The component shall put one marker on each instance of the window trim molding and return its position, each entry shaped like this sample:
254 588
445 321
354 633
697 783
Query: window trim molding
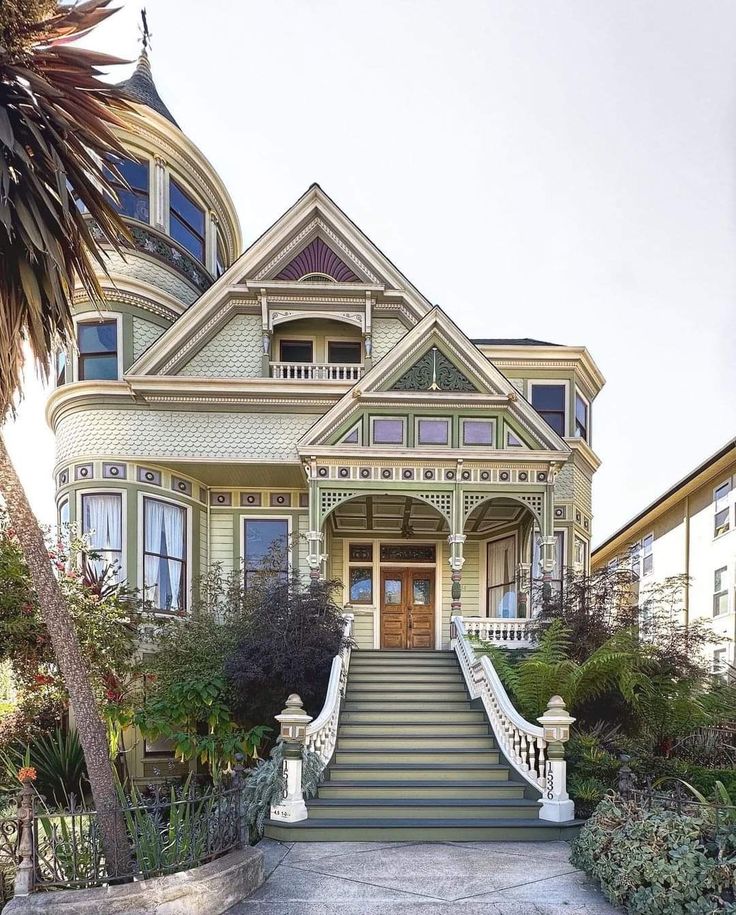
445 419
104 491
97 317
140 522
306 338
557 382
191 192
401 419
483 569
243 517
477 419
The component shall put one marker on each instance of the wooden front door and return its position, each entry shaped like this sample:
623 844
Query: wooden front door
407 608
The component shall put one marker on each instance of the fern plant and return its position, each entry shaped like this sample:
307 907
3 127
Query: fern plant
549 670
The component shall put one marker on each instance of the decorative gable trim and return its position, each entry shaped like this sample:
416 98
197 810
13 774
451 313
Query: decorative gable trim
434 372
317 258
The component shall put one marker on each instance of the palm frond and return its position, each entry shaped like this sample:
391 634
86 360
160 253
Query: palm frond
57 122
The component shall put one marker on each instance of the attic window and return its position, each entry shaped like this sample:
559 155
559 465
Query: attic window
316 278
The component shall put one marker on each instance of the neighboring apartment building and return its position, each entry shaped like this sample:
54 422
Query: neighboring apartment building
305 393
690 530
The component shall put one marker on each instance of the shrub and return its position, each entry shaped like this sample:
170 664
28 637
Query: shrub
292 632
59 762
657 862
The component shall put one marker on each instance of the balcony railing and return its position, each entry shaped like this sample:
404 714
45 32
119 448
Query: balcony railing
316 371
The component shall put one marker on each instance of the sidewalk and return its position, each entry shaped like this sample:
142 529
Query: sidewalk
403 878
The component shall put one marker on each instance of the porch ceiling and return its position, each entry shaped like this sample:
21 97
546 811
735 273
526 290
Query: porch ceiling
233 473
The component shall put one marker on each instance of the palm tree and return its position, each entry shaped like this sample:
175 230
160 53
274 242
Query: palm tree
56 129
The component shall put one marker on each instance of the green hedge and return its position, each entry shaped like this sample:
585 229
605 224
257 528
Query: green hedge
658 862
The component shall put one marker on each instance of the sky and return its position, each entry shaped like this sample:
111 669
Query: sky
558 170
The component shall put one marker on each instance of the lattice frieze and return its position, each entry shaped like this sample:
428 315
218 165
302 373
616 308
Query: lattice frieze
472 500
331 498
535 501
442 501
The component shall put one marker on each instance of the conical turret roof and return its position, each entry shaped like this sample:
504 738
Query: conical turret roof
141 88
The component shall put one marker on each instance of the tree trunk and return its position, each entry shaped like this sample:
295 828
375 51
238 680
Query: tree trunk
60 626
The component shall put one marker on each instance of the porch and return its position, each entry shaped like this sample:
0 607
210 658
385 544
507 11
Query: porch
405 572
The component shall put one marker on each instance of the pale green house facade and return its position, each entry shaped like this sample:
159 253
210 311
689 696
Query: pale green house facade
304 391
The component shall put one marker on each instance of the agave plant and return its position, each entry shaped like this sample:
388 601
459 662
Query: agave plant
59 763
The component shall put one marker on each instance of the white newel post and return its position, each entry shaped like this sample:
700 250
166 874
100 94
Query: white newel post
556 803
293 721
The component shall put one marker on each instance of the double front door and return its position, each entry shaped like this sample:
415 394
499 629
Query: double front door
407 608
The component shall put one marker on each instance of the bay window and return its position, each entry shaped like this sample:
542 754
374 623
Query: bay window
265 548
102 525
164 554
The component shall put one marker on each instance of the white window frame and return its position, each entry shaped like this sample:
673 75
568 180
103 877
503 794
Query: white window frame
718 655
445 419
728 485
295 338
580 566
401 444
483 595
722 591
105 490
509 430
586 401
642 555
269 517
97 317
64 500
156 496
196 196
556 382
473 419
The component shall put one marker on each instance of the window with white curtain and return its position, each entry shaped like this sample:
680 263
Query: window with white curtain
501 578
102 525
164 554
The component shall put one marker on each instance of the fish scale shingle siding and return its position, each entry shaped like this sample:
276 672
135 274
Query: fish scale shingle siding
144 335
386 334
178 434
234 352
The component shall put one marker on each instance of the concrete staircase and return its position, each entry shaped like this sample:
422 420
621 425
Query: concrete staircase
416 761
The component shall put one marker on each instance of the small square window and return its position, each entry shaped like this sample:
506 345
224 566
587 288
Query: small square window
388 431
433 431
478 432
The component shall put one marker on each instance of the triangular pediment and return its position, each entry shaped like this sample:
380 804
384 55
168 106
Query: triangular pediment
435 367
313 242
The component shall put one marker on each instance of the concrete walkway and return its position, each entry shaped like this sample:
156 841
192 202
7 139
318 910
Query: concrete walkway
405 878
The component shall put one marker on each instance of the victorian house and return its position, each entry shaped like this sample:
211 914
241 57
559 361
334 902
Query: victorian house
301 391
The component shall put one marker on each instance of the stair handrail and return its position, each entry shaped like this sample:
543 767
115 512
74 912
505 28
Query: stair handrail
321 735
522 742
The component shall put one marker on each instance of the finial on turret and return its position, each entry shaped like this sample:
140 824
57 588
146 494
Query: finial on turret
146 35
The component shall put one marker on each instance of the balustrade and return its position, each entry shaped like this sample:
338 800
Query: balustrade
504 632
316 371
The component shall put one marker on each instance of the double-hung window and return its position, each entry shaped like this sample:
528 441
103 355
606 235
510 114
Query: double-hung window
133 200
102 525
164 554
98 350
720 591
582 413
186 220
265 548
723 509
501 598
549 401
647 555
720 662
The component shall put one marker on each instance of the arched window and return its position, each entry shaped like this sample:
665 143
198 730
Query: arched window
133 200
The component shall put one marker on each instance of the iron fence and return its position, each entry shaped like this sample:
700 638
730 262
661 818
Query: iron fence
167 830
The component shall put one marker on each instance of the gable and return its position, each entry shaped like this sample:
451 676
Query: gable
233 352
435 371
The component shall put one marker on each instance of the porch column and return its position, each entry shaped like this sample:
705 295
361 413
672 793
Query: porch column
266 336
547 541
456 541
315 536
523 584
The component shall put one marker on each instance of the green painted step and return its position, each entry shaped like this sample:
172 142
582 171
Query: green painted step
406 654
392 772
408 830
423 809
408 666
359 680
402 695
450 757
418 712
441 790
433 729
414 742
